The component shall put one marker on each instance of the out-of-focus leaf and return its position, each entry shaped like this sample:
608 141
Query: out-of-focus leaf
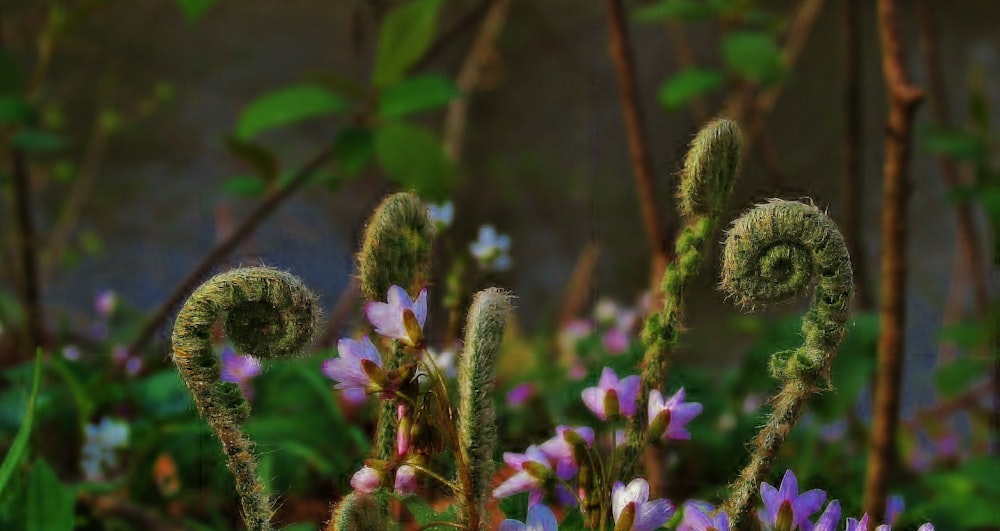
49 504
258 157
989 197
424 514
683 10
353 148
965 334
688 84
959 374
416 94
515 507
91 243
415 159
245 186
161 395
14 110
754 55
404 36
37 141
11 75
20 444
194 9
286 106
954 143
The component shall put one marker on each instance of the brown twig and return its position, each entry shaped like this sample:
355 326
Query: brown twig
851 178
580 283
27 246
903 101
469 76
642 166
945 408
226 246
448 37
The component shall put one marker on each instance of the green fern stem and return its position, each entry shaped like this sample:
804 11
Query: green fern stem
706 182
772 254
477 439
267 314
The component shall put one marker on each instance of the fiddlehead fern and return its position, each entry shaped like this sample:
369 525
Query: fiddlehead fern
773 253
267 314
706 181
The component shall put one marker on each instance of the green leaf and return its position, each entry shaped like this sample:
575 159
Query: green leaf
966 334
688 84
161 395
415 159
37 141
424 514
954 143
20 444
353 148
14 110
49 504
754 55
416 94
956 376
682 10
194 9
287 106
259 158
404 36
245 186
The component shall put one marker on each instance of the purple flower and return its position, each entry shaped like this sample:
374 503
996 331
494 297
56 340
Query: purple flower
237 368
71 352
611 393
698 517
352 370
559 451
400 318
671 416
784 508
615 340
105 303
366 480
828 521
893 508
540 518
406 480
533 469
632 502
520 394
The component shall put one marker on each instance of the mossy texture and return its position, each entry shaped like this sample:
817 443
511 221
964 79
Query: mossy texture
357 512
268 314
396 247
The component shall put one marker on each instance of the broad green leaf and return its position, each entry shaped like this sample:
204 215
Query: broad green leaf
20 444
286 106
258 157
954 143
14 110
49 504
404 36
37 141
245 186
958 375
683 10
353 148
416 94
194 9
754 55
687 84
415 159
424 514
966 334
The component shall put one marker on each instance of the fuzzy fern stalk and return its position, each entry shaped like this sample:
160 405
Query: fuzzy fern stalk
773 253
267 314
706 182
357 512
395 251
477 440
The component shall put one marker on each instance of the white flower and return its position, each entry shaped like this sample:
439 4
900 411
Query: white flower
441 215
491 249
99 447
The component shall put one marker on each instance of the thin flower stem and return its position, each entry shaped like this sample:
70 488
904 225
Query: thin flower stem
455 487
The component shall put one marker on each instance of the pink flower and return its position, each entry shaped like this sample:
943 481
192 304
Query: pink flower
784 507
612 393
353 369
406 480
633 502
520 394
366 480
697 517
401 317
671 416
560 452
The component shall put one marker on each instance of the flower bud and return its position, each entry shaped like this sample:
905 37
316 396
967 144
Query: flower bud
626 518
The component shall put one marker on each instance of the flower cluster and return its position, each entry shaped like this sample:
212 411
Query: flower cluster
102 441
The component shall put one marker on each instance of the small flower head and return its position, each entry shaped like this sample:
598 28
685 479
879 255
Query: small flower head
784 508
366 480
441 215
100 445
491 249
534 474
698 517
520 394
239 369
354 369
406 480
668 418
632 509
105 303
563 449
401 317
612 396
540 518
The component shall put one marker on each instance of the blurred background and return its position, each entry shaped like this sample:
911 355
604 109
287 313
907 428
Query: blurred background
138 138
